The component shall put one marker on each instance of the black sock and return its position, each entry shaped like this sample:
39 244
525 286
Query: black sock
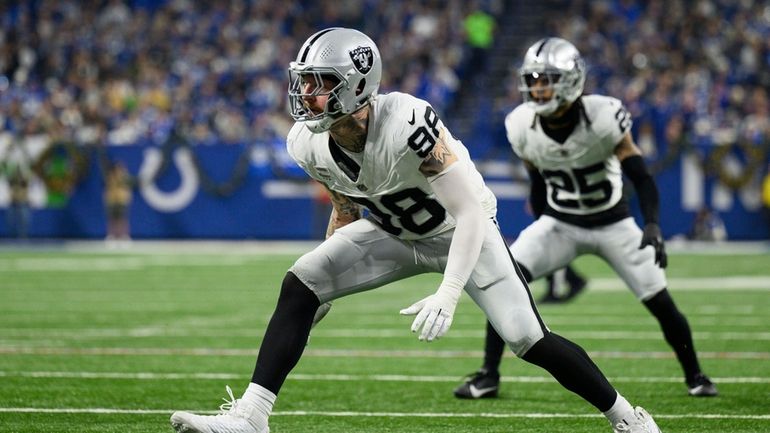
286 334
569 364
676 330
572 277
493 350
550 285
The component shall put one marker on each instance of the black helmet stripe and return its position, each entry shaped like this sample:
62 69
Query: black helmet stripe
312 41
540 48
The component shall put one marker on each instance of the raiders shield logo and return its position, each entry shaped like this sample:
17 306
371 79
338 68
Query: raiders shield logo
362 59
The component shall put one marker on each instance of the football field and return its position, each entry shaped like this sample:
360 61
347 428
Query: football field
98 340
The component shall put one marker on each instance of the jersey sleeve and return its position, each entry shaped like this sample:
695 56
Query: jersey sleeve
297 150
416 125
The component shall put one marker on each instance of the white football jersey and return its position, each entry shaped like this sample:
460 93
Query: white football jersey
583 175
385 177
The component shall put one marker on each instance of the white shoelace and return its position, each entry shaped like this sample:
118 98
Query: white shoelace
232 417
642 418
228 405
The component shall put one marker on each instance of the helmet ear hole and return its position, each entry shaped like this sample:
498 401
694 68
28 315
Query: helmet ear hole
334 103
361 85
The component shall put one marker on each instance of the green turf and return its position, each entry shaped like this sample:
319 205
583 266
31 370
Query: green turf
138 335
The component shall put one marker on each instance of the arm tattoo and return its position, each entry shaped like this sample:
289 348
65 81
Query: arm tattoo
344 205
344 211
439 157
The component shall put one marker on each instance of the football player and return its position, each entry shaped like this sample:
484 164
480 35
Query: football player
428 211
576 148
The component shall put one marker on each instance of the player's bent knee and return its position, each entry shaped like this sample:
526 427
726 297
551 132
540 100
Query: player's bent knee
521 335
522 346
296 294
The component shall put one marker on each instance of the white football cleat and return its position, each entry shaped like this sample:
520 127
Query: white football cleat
235 416
642 422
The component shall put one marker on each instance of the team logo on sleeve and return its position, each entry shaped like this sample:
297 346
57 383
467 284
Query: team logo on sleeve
362 59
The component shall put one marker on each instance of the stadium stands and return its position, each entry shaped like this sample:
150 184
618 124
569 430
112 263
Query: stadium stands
126 71
90 73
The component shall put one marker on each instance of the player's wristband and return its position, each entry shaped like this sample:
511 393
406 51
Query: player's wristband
451 287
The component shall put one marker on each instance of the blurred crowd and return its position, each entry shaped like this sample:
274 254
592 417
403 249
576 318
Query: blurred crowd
694 71
126 71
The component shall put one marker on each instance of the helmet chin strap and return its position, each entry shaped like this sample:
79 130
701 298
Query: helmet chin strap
326 121
321 125
546 109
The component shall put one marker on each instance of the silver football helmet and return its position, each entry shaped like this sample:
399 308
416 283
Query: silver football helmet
345 57
564 69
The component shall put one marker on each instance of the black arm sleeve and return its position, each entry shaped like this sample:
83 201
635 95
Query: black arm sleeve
636 170
537 192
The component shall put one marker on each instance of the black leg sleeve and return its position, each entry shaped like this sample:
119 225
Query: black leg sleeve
550 285
286 334
570 365
676 330
493 350
573 277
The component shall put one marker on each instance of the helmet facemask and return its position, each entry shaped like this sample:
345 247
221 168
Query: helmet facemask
542 106
317 78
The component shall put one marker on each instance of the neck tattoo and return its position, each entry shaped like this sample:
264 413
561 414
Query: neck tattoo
350 134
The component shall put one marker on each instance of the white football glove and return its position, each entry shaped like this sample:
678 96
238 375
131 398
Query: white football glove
434 313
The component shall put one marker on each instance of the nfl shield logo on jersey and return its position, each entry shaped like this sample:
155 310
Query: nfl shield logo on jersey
362 59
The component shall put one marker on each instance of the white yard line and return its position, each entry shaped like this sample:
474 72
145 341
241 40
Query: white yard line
141 263
74 263
95 410
111 264
341 353
344 377
735 282
39 334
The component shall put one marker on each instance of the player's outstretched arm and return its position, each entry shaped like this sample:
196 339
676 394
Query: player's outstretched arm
634 167
451 184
